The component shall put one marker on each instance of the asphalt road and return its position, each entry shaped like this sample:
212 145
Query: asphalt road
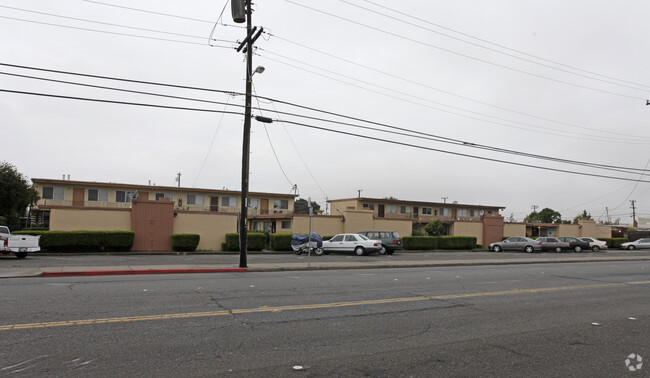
513 320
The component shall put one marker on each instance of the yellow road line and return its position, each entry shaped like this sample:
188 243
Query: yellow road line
126 319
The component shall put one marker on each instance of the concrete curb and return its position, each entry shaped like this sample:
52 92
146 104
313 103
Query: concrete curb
292 266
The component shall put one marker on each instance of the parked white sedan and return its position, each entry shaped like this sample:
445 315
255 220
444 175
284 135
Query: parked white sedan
595 244
356 243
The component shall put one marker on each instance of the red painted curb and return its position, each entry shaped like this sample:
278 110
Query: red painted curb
149 271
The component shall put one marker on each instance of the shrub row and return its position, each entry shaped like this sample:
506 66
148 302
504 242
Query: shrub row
87 241
614 242
185 242
256 242
426 243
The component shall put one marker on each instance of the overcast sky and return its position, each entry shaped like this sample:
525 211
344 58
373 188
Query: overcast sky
561 79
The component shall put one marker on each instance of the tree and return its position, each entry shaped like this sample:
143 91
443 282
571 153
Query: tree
301 206
435 228
546 215
583 215
15 195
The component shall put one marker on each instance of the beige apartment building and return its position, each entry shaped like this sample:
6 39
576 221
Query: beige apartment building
154 213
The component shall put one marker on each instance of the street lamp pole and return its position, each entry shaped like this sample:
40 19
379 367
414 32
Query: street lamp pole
243 220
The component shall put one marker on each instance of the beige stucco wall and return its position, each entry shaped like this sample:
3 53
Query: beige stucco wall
403 227
467 229
514 229
590 228
568 230
322 224
211 227
357 220
90 220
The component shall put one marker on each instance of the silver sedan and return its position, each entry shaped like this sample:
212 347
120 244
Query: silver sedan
516 243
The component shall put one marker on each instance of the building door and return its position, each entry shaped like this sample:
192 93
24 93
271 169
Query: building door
214 203
78 196
264 206
153 224
381 211
415 211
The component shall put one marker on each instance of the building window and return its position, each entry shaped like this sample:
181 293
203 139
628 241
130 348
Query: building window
426 211
444 211
281 204
472 213
123 196
164 195
391 209
405 210
286 224
253 203
53 192
369 206
193 199
462 212
229 201
97 195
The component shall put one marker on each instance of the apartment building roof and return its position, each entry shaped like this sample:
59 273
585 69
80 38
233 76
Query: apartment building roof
419 203
96 184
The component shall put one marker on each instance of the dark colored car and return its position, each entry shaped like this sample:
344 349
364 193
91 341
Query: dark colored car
553 244
575 243
390 240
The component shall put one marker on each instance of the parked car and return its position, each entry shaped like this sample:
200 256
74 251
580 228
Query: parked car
359 244
553 244
390 240
637 244
19 245
575 243
516 243
595 244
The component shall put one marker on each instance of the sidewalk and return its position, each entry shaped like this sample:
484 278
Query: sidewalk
312 264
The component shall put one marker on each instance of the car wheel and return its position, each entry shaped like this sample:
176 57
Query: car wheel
318 251
558 249
359 251
595 248
577 248
382 250
630 248
298 252
20 255
529 249
497 248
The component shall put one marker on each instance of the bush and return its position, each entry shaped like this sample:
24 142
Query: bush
86 241
614 242
281 242
422 243
456 242
185 242
256 242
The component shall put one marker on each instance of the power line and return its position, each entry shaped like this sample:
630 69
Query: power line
574 136
419 83
356 22
462 154
113 33
502 46
403 131
494 50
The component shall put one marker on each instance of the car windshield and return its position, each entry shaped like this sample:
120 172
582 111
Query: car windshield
4 230
396 235
363 237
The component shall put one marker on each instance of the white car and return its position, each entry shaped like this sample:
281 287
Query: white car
595 244
637 244
356 243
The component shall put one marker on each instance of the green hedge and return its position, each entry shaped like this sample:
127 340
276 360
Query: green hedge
456 242
185 242
420 243
428 243
614 242
86 241
281 242
256 242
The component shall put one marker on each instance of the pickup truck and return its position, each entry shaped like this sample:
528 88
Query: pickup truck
19 245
